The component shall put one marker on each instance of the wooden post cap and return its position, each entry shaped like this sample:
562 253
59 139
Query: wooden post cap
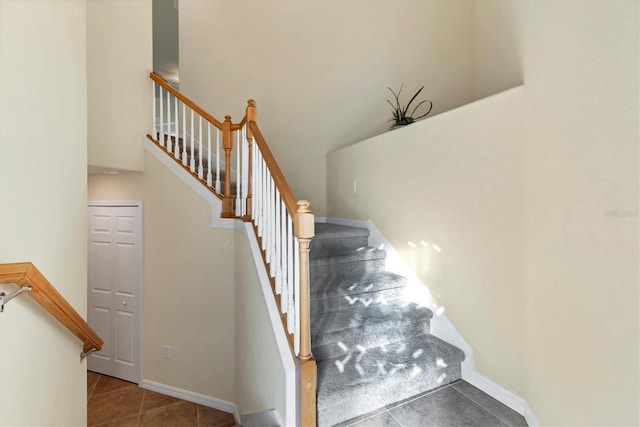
304 221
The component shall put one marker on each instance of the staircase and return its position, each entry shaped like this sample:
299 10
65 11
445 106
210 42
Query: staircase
371 343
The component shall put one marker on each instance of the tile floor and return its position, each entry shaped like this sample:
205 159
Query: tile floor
455 405
116 403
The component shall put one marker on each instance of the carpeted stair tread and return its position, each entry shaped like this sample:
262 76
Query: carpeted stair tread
361 316
344 302
365 253
338 285
336 333
363 381
325 230
333 239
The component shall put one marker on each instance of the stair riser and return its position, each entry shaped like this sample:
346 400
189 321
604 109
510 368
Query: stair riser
333 247
325 305
361 402
334 286
317 273
325 345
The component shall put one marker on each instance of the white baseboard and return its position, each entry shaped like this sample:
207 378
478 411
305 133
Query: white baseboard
191 396
503 395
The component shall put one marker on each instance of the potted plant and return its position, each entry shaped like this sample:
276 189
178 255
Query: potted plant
401 116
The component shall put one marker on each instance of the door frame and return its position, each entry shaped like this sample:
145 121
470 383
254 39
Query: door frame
139 204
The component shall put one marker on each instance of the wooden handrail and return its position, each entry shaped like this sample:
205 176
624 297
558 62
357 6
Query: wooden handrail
285 191
43 292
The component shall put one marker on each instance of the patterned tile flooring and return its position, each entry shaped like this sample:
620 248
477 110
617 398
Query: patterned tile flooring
116 403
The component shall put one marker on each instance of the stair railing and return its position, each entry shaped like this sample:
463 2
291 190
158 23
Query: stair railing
283 226
34 284
184 131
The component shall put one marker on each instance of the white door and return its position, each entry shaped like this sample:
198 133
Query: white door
114 286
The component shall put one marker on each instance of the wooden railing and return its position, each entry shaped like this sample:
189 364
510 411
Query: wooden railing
257 192
43 292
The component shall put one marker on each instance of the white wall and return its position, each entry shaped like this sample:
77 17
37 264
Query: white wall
43 194
119 59
188 281
532 195
319 70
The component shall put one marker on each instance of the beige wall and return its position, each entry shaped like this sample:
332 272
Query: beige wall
319 70
497 41
119 59
533 197
260 377
188 281
460 189
42 150
581 211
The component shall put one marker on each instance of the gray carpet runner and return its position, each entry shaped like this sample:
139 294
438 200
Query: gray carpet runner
372 345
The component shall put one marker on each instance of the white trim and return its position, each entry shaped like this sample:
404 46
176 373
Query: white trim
264 417
290 397
139 204
195 184
503 395
441 326
201 399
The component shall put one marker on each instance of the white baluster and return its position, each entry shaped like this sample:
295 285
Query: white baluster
245 170
272 270
154 119
285 270
192 163
265 211
296 286
209 154
161 118
238 172
254 180
184 134
218 189
200 171
258 192
169 122
276 251
176 146
290 277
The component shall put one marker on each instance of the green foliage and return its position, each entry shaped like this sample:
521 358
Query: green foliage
400 112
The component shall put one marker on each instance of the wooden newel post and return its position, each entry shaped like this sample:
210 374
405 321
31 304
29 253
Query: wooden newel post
251 117
304 230
227 144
